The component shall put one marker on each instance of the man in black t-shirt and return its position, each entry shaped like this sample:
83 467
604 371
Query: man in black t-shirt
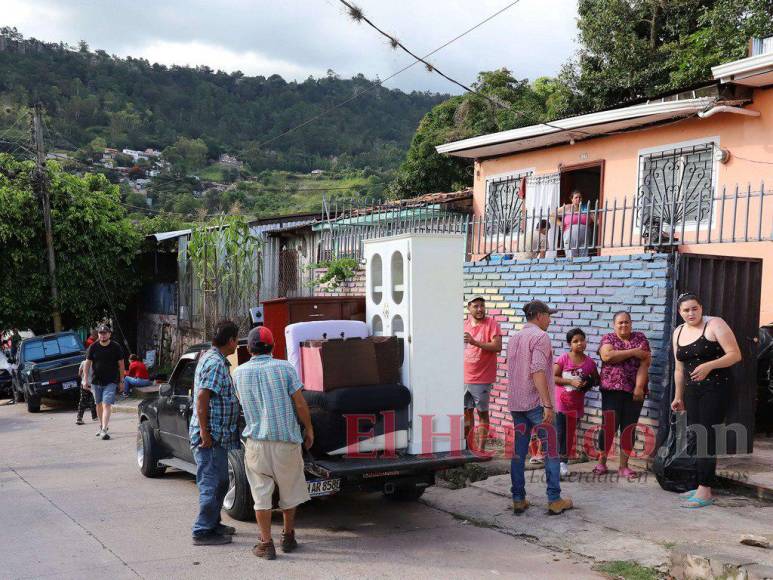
105 359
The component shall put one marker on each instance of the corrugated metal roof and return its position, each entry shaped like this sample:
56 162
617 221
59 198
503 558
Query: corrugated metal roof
574 128
162 236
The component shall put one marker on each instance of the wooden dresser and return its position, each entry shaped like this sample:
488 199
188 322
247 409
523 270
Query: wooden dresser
280 312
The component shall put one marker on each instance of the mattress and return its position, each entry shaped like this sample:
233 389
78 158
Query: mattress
319 330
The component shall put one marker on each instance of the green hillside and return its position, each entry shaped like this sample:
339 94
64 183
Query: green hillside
135 104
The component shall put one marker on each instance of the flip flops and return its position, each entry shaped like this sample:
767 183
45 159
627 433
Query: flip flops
697 503
600 469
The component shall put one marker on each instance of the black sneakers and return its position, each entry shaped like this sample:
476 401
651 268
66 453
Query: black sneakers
225 530
211 539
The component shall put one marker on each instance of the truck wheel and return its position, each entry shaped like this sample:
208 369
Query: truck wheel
33 403
238 502
147 452
407 493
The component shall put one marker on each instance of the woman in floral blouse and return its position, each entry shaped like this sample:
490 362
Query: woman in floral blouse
626 360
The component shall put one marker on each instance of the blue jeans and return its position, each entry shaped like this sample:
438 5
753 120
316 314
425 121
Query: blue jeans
131 382
524 422
212 480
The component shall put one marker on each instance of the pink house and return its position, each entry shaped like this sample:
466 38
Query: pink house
690 172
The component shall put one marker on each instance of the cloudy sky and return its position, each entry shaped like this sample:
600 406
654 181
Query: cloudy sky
298 38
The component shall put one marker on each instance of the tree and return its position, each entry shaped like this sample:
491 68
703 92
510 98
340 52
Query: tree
95 248
186 155
503 102
631 49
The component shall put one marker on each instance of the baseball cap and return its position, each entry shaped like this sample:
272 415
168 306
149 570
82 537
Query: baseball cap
259 335
536 307
104 328
475 297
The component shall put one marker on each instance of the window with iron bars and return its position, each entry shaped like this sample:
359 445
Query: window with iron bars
676 186
504 205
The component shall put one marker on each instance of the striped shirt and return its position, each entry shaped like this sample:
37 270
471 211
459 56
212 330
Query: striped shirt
266 386
528 351
213 374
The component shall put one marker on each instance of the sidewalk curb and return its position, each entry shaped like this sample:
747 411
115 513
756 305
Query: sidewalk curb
127 406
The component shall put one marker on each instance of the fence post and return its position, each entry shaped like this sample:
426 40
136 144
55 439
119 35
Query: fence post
759 221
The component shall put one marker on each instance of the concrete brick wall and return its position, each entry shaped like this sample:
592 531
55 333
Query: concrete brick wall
587 292
355 286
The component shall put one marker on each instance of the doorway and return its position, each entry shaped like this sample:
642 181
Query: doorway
587 178
731 289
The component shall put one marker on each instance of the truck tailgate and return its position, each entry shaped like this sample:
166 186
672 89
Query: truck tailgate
58 370
402 464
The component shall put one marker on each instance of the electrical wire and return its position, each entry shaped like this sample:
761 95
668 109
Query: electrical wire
758 161
378 84
357 14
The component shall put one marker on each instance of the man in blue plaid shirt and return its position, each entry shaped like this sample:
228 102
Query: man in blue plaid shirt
273 403
213 432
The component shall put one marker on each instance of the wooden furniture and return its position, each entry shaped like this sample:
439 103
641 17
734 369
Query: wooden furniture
280 312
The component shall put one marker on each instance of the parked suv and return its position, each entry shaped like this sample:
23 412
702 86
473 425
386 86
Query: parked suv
162 442
47 366
5 376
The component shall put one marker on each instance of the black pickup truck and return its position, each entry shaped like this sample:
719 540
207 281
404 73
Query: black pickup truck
47 366
162 442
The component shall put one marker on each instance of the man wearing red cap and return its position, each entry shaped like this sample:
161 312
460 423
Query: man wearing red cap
271 397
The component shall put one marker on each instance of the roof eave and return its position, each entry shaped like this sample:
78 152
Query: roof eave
466 147
743 68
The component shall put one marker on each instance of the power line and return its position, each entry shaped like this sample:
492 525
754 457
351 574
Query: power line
357 14
377 84
758 161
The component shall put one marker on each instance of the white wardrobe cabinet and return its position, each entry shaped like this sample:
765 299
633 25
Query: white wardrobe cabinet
415 290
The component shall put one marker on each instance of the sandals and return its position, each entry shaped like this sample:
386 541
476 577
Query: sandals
627 473
687 494
600 469
697 503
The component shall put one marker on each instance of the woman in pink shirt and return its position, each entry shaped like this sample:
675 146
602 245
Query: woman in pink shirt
574 373
576 223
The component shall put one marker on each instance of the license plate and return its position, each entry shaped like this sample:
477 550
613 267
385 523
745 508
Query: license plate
324 487
70 385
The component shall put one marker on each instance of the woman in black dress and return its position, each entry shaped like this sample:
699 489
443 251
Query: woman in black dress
704 348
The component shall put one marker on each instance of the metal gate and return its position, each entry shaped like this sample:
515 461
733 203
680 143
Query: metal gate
730 288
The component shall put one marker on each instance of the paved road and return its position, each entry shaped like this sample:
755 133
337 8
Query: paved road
73 506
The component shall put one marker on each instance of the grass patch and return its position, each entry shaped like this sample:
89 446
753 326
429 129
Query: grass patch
627 570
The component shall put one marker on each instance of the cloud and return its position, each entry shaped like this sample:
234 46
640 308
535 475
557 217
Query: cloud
196 53
302 37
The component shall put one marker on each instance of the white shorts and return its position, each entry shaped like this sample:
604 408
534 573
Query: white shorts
476 396
271 464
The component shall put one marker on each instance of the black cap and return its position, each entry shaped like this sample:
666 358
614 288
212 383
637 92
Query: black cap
531 309
104 328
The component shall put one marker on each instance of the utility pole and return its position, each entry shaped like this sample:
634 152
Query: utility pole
41 186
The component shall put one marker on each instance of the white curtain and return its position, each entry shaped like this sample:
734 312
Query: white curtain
543 197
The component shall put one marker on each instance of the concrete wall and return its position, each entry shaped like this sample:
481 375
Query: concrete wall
355 286
587 292
160 332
